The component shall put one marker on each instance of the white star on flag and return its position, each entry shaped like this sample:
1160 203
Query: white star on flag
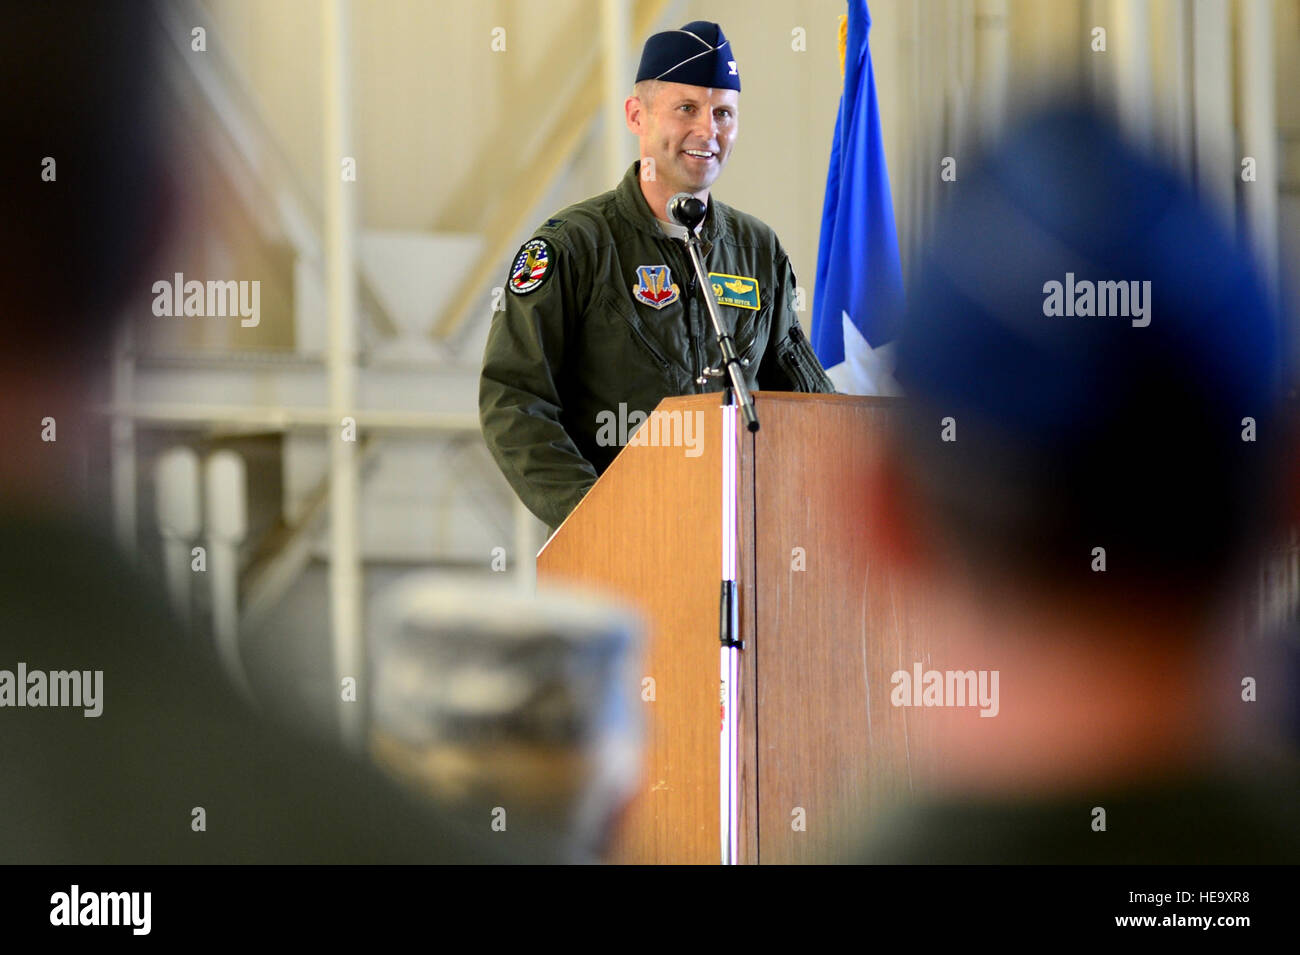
864 370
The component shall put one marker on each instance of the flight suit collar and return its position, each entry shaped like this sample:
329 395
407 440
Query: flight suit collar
631 203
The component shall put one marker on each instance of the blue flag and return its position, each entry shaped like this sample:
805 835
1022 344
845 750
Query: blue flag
859 293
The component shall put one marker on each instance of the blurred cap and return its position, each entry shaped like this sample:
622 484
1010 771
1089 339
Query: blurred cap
1076 430
484 695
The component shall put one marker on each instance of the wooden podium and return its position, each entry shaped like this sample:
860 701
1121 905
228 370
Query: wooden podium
815 748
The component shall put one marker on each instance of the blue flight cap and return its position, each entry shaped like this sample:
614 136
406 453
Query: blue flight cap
698 55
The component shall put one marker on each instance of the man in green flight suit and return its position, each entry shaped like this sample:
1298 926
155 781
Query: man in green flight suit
602 311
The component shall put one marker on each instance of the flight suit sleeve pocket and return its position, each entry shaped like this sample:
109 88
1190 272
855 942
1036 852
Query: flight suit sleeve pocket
799 363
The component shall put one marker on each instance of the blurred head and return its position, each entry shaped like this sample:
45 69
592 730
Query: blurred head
86 169
1094 377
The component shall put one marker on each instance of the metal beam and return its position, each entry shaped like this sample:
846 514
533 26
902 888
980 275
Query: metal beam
245 418
249 154
559 140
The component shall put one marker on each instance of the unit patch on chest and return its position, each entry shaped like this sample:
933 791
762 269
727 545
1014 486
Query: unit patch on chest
654 286
737 290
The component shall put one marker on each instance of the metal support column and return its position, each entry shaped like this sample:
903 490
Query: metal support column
1133 75
991 66
1216 172
1259 130
122 443
340 278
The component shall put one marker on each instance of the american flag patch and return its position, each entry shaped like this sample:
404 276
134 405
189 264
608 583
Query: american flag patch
531 266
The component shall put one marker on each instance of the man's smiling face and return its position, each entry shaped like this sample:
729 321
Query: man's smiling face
687 130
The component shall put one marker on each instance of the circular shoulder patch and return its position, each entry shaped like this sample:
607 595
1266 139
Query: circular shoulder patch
532 266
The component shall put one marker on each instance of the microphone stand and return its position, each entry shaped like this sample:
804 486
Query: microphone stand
689 212
731 365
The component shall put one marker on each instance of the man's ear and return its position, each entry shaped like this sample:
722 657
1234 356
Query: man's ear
633 112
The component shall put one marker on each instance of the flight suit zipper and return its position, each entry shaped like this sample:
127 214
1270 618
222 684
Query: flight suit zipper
696 351
682 258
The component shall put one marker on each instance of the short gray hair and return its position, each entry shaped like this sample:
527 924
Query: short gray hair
646 91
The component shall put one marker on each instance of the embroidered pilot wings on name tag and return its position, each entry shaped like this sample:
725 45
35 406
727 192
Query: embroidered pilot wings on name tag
737 290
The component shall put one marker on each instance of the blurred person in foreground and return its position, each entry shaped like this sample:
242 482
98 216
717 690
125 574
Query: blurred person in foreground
1079 426
126 785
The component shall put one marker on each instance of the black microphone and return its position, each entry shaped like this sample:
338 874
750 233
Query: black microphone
686 210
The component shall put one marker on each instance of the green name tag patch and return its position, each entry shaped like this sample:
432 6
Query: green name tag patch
737 290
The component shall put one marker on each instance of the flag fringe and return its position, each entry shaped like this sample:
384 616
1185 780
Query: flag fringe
844 40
